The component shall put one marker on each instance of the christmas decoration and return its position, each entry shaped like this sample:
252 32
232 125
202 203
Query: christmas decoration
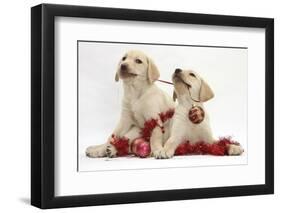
196 114
202 148
120 144
140 148
152 123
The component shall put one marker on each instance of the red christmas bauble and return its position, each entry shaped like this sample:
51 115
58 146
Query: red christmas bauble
140 147
196 114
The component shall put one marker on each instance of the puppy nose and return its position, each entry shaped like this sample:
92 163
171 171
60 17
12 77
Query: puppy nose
124 66
178 70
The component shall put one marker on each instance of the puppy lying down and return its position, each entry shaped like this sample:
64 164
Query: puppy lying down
191 121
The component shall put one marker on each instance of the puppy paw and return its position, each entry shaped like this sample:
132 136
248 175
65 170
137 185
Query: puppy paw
95 151
235 149
111 151
162 154
157 153
169 153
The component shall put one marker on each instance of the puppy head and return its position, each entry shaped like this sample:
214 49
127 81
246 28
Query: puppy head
136 66
188 83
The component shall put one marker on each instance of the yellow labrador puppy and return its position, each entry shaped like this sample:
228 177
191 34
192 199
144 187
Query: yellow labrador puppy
142 101
191 90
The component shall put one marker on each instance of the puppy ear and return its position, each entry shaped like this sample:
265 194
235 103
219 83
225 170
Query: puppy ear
117 76
175 96
206 93
153 72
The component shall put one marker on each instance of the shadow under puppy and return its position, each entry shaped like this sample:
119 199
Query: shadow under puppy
191 121
142 101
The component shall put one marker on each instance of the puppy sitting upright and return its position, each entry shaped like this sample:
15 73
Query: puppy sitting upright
191 121
142 101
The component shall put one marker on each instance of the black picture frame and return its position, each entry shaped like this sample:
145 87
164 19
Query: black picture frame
43 111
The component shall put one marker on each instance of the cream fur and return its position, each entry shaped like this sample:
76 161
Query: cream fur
142 100
182 129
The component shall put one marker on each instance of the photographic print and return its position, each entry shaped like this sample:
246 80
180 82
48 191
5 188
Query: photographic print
141 103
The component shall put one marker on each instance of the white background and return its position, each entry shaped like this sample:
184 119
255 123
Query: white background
225 70
15 107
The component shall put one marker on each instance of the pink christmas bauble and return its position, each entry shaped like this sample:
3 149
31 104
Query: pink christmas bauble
141 148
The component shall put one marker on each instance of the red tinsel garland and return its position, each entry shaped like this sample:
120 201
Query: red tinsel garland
140 147
121 145
148 128
202 148
199 148
164 116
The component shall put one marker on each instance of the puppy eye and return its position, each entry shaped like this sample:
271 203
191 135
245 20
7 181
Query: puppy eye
191 74
124 58
138 61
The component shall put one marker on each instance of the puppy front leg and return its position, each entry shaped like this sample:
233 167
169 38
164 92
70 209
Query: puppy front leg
123 127
178 133
133 134
124 124
170 147
97 151
156 142
234 149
